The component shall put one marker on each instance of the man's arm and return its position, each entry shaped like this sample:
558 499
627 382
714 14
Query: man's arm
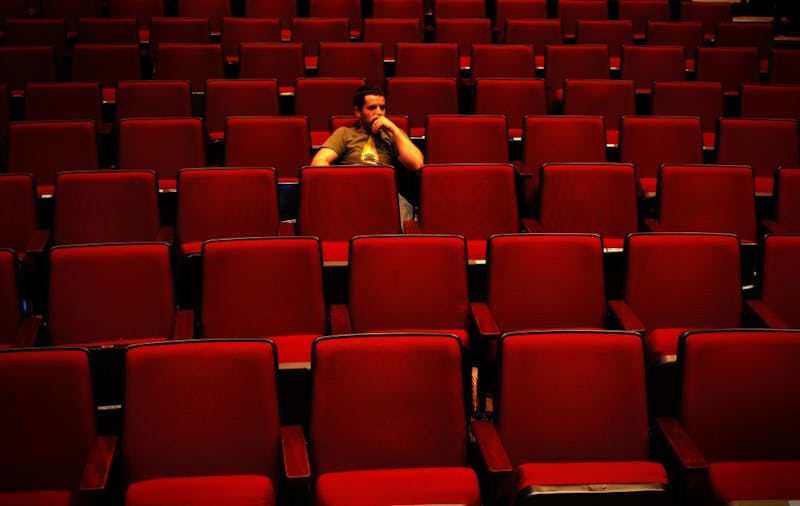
408 154
325 156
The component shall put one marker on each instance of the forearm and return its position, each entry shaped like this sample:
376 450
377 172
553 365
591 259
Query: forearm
324 157
407 152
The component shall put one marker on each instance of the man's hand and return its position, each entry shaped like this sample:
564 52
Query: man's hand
383 123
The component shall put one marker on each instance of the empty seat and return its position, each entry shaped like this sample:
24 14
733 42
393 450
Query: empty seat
237 97
338 203
742 446
513 98
710 14
786 214
131 297
704 99
778 302
389 294
686 34
312 31
397 9
390 31
763 144
417 97
642 11
590 444
613 33
459 9
282 142
378 456
64 101
645 65
783 66
570 11
195 63
23 64
466 139
17 327
679 281
285 10
465 32
44 148
164 145
153 99
19 229
234 455
538 32
238 30
351 59
183 30
107 64
427 60
279 293
506 10
502 61
69 11
350 9
770 101
142 10
651 141
279 60
706 198
225 203
611 99
107 206
39 32
214 10
474 201
42 465
582 61
731 66
747 34
108 31
587 198
319 98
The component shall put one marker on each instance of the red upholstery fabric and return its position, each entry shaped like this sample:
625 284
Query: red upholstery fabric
779 277
397 9
760 35
238 30
285 10
193 62
107 64
466 139
710 14
571 11
613 33
337 203
40 32
732 481
787 203
684 280
10 315
686 34
783 67
238 97
197 413
182 29
374 418
153 99
753 414
43 498
106 206
557 402
691 99
539 32
645 65
336 251
460 9
663 342
319 98
770 101
312 31
611 99
351 9
63 101
513 98
37 389
272 288
580 61
731 66
503 61
427 60
391 31
465 32
22 64
417 97
282 142
214 10
277 60
642 11
221 203
235 490
348 59
546 281
448 485
586 198
707 199
550 139
408 282
518 9
101 293
764 144
17 211
94 30
590 473
650 141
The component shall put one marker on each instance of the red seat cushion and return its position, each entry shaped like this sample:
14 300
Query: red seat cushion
732 481
662 344
234 490
590 473
440 485
335 251
38 498
294 348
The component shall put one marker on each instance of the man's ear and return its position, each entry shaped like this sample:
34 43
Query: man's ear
357 111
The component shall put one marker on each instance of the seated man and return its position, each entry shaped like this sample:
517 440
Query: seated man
374 140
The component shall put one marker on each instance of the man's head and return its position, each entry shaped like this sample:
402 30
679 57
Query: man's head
369 103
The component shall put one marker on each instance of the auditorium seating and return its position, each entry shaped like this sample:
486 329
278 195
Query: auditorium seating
278 60
686 34
465 32
107 64
645 65
238 30
94 30
691 98
710 14
538 32
731 66
312 31
506 10
513 98
153 99
17 328
778 302
613 33
319 98
786 197
282 142
642 11
351 59
417 59
240 97
610 98
466 138
19 227
417 97
770 101
391 31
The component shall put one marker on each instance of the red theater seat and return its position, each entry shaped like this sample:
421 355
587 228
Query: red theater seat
17 327
778 303
226 98
786 214
282 142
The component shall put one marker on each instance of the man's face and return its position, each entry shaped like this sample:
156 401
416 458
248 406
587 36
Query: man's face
373 108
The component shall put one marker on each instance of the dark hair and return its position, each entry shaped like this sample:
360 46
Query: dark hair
363 91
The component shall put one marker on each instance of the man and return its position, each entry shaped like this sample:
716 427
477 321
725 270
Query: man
375 140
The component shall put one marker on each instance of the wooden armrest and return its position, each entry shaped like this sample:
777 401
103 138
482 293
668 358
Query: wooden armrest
681 444
484 320
340 319
184 325
166 234
530 226
767 316
412 227
27 332
295 454
626 316
38 242
491 447
98 465
286 228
